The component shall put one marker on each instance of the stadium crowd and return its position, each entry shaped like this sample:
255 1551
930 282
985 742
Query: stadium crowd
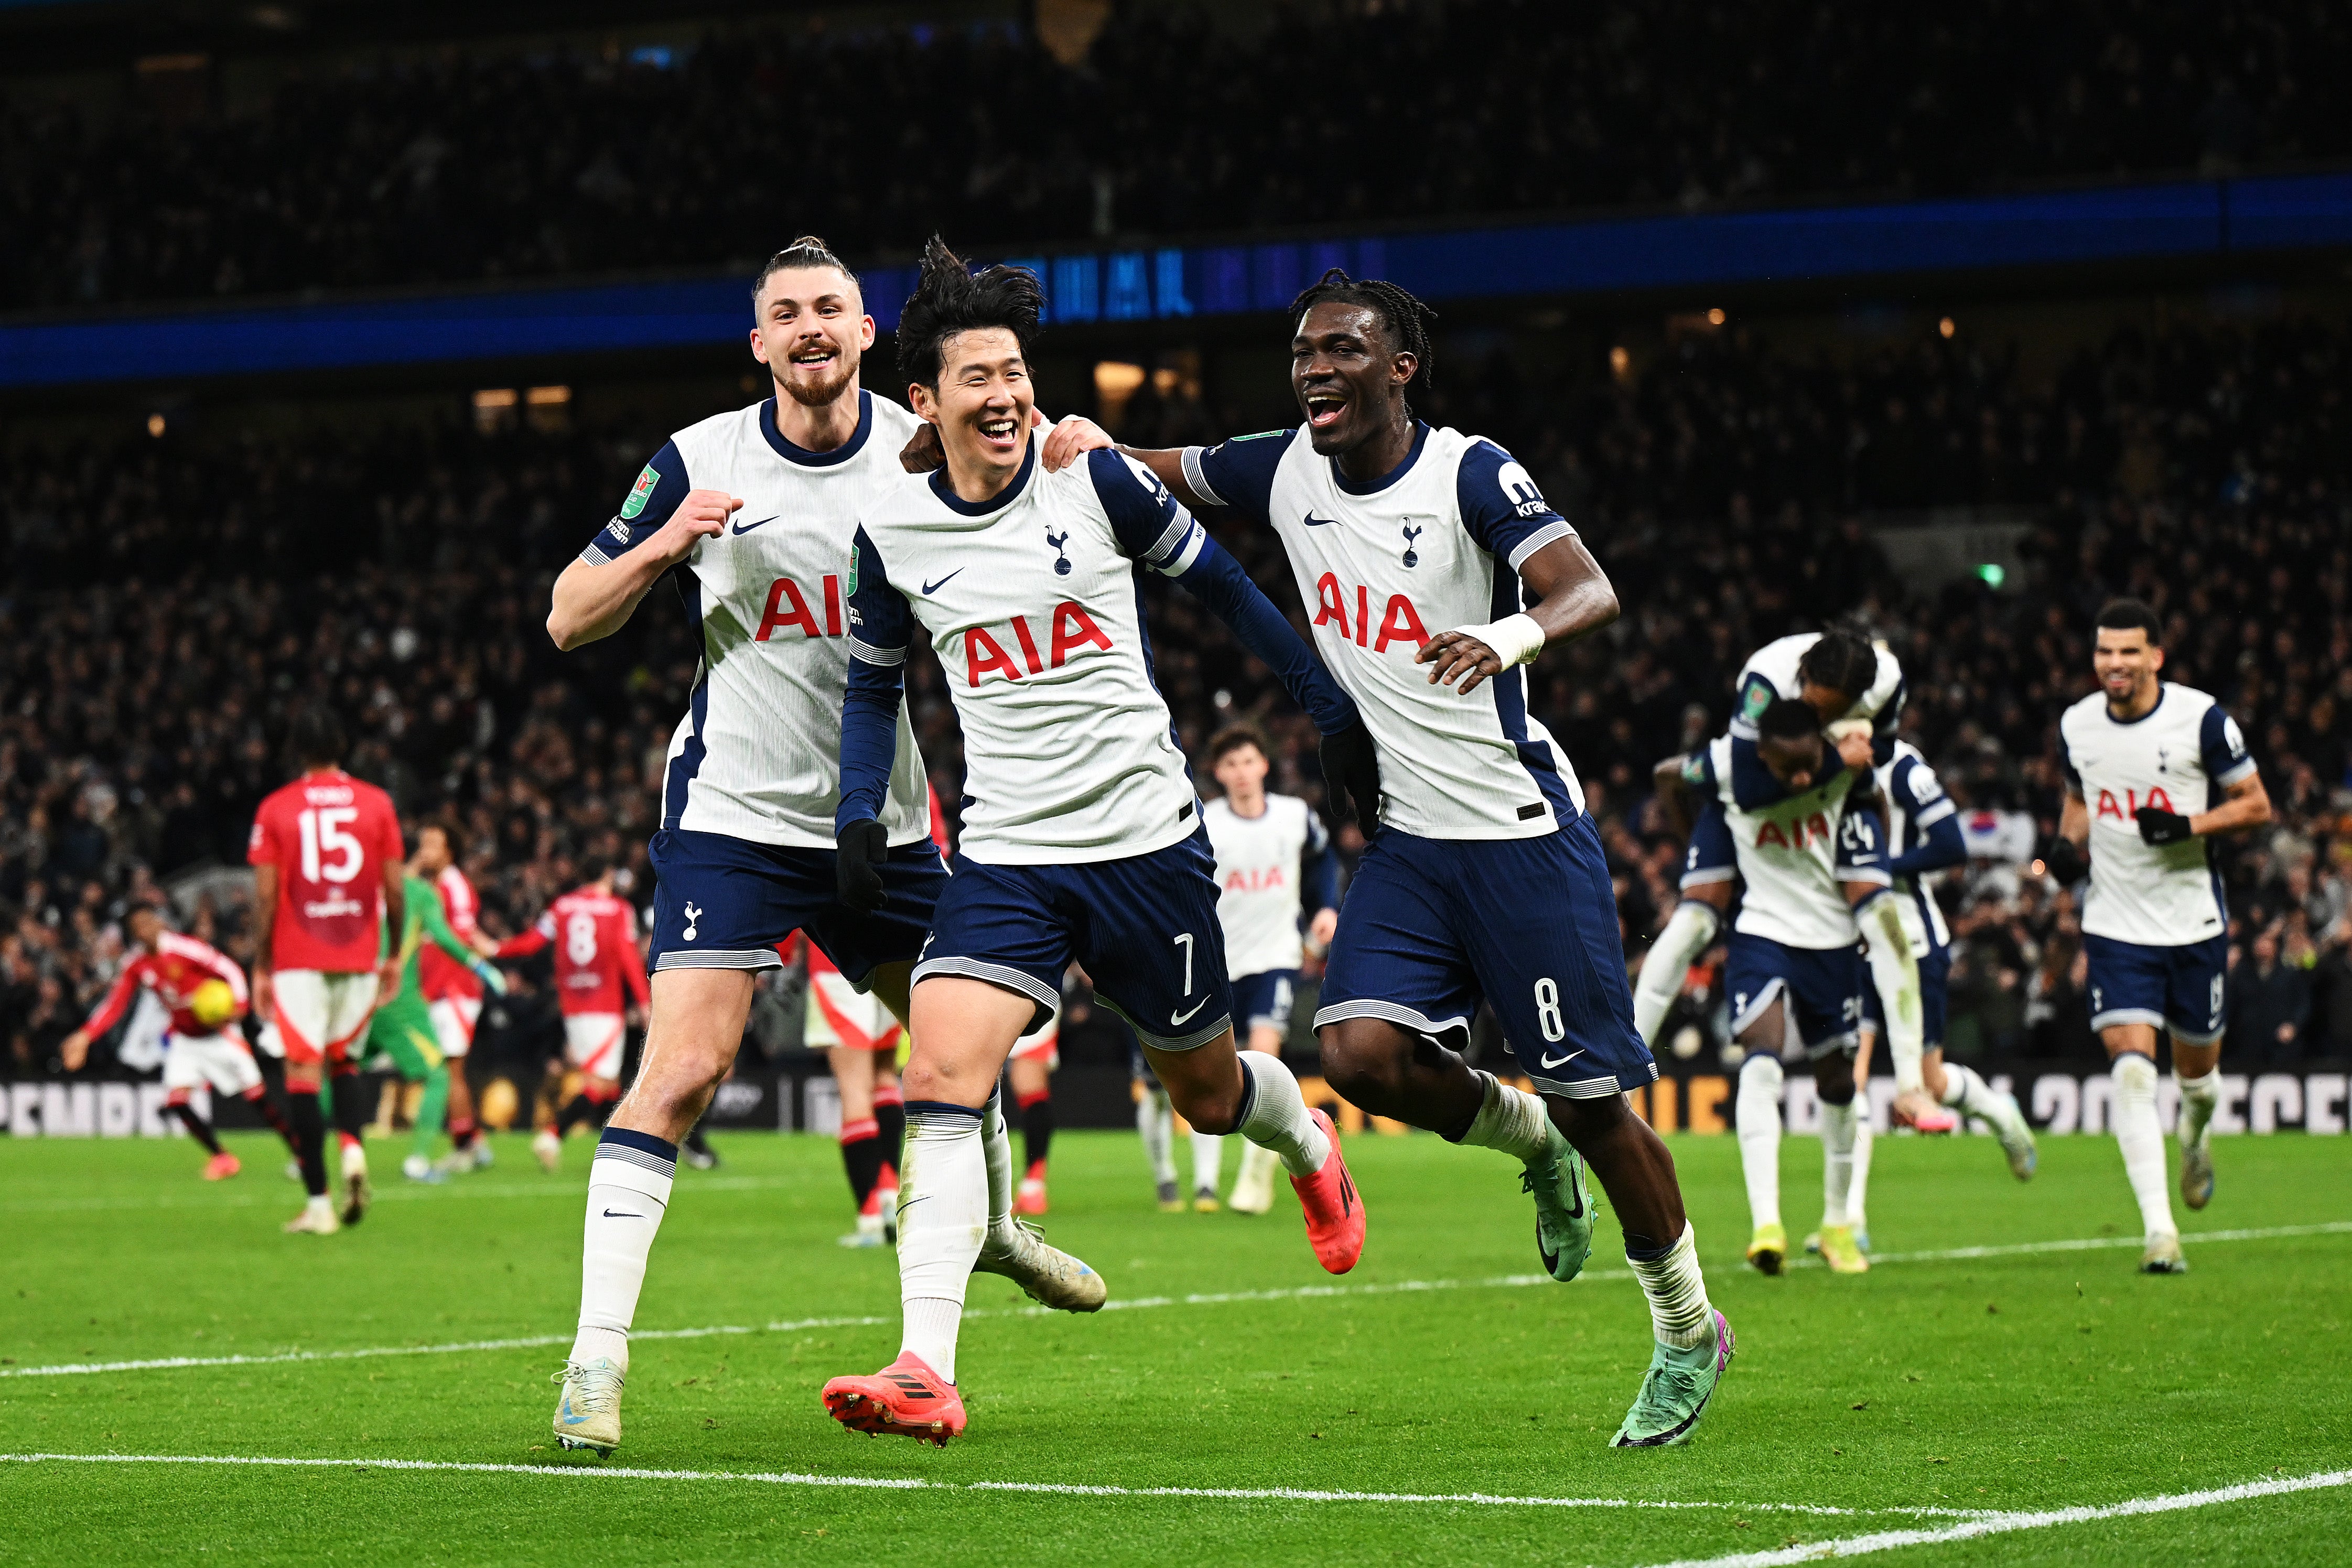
540 159
169 600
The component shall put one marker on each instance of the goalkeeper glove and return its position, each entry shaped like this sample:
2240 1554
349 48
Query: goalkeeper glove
493 979
862 847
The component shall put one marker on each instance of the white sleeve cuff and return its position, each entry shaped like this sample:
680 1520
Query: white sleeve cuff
1549 534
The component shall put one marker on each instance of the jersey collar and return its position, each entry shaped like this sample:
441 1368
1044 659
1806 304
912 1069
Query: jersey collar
1349 487
2153 708
791 453
995 504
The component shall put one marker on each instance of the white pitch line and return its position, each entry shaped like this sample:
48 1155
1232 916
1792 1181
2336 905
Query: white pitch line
1139 1303
428 1192
1054 1489
2008 1523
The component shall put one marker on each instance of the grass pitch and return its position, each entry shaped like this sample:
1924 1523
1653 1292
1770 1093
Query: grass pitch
1933 1391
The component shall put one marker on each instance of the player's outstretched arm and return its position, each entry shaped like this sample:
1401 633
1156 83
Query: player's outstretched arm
1573 599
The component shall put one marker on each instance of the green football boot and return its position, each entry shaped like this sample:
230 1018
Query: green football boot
1675 1390
1563 1208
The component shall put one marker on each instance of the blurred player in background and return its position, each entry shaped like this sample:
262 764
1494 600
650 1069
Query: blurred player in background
1274 865
402 1027
860 1037
452 990
600 987
204 991
2152 770
327 879
1485 880
1030 1074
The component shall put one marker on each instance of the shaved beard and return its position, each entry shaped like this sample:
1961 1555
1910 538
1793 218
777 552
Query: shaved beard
818 394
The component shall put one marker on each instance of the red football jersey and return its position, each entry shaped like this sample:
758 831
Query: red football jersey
437 974
598 966
174 971
329 835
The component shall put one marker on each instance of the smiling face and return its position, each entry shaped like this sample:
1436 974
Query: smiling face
1348 378
812 333
981 406
2128 665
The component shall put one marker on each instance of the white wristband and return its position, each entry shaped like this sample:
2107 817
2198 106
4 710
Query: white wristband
1515 638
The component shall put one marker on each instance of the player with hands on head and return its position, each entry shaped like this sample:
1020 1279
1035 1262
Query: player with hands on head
1487 880
1082 837
2153 768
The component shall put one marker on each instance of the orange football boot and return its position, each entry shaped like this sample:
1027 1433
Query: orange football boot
1335 1214
222 1166
906 1398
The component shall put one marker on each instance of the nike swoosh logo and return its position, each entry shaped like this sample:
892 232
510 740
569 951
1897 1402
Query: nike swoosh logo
763 522
1315 522
935 587
1549 1060
616 1214
1188 1012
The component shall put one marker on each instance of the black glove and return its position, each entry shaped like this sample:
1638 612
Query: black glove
2064 862
1351 777
2158 826
861 849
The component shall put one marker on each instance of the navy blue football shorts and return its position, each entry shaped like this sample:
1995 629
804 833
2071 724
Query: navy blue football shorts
725 902
1824 987
1431 926
1934 999
2182 990
1145 927
1264 998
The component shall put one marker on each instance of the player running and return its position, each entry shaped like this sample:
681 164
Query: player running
204 991
402 1029
1273 857
1081 829
600 980
452 990
327 879
1487 880
2145 760
1803 833
751 513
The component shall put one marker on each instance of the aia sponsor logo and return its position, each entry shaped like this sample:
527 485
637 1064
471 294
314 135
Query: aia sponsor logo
2132 802
788 605
1068 630
1797 835
1399 620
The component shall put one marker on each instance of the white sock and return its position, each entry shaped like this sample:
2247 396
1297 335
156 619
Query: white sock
1685 935
1966 1091
996 1144
1758 1115
1679 1313
2198 1096
1511 1120
1208 1161
1155 1119
1857 1192
1274 1115
1894 976
1837 1160
942 1219
2141 1138
628 1193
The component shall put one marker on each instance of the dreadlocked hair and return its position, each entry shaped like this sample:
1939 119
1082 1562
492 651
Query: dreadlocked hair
1406 318
949 298
1842 661
806 251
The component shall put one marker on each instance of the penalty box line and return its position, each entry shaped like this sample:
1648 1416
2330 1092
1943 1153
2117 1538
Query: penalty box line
1139 1304
2005 1523
1044 1489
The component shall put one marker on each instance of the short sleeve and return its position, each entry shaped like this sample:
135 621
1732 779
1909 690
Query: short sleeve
2066 761
881 627
1698 770
1149 523
1502 509
545 926
388 844
1756 694
1238 473
660 486
261 847
1318 837
1920 793
2223 746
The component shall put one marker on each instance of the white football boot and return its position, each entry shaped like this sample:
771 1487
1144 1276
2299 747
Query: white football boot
356 1191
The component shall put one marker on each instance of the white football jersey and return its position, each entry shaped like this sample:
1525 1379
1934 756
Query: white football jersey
1035 613
757 755
1259 889
1915 802
1771 672
1787 853
2176 757
1435 545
